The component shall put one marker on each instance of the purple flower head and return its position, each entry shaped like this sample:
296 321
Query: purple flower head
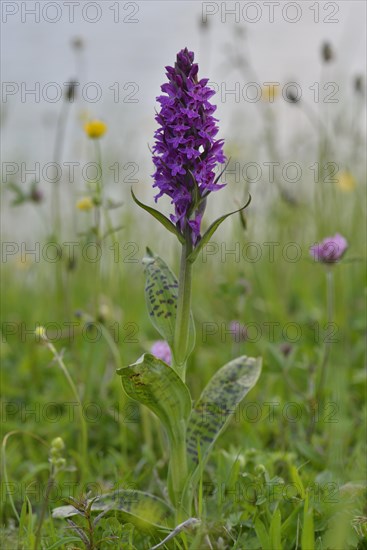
330 250
161 350
238 331
186 152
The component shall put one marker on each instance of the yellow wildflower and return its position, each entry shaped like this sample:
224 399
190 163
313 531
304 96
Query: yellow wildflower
40 333
23 264
270 93
95 128
346 181
85 204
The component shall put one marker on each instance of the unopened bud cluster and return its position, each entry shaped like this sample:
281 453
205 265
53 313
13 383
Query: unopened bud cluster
56 459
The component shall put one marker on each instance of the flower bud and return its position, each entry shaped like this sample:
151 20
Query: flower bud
77 43
60 463
330 250
327 52
292 97
58 444
359 84
36 195
260 470
70 93
286 349
71 264
40 333
103 313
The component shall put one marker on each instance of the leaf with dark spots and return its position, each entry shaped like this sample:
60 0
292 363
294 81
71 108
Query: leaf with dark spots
161 299
156 385
217 404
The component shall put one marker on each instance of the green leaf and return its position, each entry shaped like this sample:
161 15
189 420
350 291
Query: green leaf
155 384
144 510
19 197
62 542
24 516
262 534
291 520
218 402
160 217
308 532
275 531
296 478
161 298
211 230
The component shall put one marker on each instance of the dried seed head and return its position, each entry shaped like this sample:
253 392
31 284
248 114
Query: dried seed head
70 93
286 349
77 43
36 195
359 84
327 52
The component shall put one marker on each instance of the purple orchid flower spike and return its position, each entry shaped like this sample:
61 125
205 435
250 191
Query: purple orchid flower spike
186 154
186 151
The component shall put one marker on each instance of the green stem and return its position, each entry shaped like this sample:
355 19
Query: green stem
50 484
58 148
330 315
178 459
100 194
112 345
98 225
83 425
7 484
179 472
56 198
181 338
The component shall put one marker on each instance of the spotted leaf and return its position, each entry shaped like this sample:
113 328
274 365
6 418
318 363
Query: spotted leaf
153 383
217 404
161 291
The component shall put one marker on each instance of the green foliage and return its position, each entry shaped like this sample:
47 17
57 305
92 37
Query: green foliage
155 384
167 224
161 289
217 404
288 472
147 512
211 230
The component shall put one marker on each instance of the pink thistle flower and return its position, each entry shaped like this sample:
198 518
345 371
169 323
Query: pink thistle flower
330 250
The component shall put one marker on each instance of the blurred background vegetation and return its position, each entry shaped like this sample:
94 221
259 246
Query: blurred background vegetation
286 451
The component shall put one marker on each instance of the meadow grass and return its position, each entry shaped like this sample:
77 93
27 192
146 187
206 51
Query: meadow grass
289 473
272 458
